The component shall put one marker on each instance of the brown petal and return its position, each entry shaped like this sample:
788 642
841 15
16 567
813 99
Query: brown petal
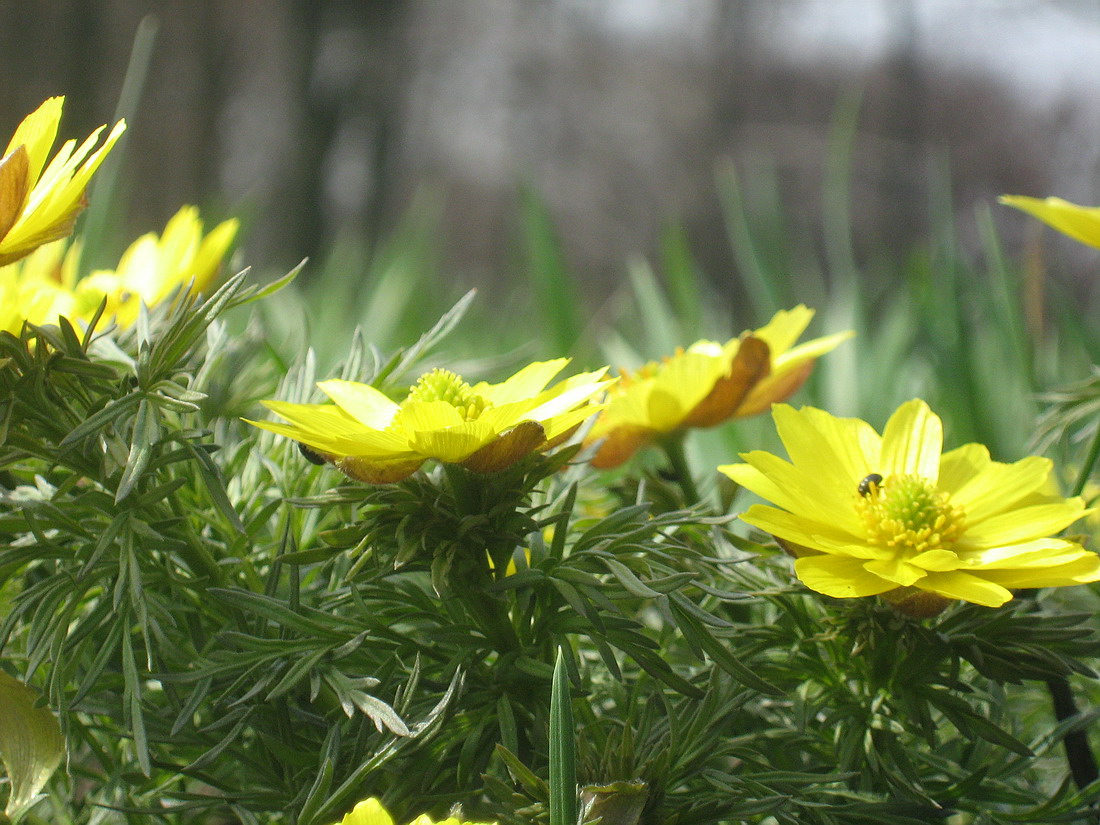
750 365
13 188
620 444
373 471
507 448
775 389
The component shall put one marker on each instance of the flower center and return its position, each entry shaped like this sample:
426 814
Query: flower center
908 513
444 385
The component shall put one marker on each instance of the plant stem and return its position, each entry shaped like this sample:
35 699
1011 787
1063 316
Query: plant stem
673 445
488 611
1090 462
1082 763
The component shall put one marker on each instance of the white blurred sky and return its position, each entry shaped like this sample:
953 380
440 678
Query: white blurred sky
1043 48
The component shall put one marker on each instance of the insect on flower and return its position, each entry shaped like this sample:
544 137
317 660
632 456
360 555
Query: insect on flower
870 484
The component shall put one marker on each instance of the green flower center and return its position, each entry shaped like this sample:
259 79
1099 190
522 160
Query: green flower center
908 513
444 385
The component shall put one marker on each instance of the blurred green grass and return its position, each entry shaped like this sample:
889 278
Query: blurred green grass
931 321
979 336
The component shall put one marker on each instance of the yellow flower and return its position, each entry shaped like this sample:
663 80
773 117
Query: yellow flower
152 268
866 514
371 812
486 427
40 205
33 288
707 384
1082 223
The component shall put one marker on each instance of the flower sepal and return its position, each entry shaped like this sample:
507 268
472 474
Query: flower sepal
916 603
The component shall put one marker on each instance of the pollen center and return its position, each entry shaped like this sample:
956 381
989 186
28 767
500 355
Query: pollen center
908 513
444 385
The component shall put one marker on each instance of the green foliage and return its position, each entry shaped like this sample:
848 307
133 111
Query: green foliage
229 633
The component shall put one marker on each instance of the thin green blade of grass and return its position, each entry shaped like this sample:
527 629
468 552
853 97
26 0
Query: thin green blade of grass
563 765
554 285
682 279
761 287
104 207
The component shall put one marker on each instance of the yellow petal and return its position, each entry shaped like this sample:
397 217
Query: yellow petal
1023 524
559 425
839 451
840 577
824 538
57 196
363 402
323 419
1045 552
625 407
680 385
1082 223
368 812
565 399
426 416
451 444
211 252
37 133
1081 571
937 560
528 381
747 476
966 587
959 466
796 490
372 444
999 487
912 441
785 327
898 571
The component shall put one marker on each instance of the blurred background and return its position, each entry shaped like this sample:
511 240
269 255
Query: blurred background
324 123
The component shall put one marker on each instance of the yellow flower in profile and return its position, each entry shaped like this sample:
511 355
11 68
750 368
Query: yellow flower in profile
1082 223
39 205
866 514
33 288
153 267
707 384
371 812
484 427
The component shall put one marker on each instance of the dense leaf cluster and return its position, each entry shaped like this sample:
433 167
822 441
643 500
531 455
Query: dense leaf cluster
230 635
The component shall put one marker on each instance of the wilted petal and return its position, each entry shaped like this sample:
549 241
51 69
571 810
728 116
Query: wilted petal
749 367
508 448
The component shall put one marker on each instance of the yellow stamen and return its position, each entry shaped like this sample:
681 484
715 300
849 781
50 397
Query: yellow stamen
444 385
909 514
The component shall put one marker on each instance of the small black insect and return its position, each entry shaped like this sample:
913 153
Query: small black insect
865 486
311 455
